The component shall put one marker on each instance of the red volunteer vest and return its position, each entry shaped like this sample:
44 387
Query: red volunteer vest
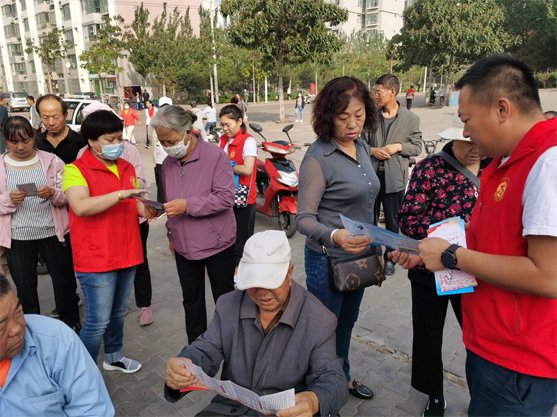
235 150
109 240
515 331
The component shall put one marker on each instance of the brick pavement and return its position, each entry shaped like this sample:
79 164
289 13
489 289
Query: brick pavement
381 345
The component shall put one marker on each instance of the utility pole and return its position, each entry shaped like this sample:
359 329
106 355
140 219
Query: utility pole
266 86
215 77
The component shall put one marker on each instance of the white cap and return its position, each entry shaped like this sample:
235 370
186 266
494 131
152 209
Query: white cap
93 107
455 132
165 100
265 261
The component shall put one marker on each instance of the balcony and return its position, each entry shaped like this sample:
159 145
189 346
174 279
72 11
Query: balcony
372 4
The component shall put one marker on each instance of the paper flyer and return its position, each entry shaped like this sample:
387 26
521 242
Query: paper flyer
151 203
267 404
380 236
450 281
30 189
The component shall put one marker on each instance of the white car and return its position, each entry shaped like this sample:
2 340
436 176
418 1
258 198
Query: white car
75 113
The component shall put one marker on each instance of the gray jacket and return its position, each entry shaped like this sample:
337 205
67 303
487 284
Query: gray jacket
34 117
299 352
406 131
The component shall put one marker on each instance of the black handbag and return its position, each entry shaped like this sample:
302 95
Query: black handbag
354 272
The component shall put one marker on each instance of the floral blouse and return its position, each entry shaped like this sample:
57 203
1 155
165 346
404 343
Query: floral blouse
436 191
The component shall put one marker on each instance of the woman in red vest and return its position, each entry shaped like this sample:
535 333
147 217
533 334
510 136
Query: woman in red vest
241 148
106 244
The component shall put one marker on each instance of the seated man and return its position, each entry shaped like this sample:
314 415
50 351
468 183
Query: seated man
44 368
272 336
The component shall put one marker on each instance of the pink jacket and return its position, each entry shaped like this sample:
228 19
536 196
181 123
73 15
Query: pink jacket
53 168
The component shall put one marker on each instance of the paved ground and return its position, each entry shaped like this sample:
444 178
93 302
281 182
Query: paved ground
381 345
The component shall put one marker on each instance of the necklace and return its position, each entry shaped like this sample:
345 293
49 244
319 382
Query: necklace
15 163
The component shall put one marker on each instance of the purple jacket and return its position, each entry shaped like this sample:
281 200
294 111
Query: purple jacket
206 181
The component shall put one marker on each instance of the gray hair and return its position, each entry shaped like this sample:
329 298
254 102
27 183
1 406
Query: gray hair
173 118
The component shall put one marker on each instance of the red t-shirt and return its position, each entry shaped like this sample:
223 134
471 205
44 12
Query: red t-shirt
4 370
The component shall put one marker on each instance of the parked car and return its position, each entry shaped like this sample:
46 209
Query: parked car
16 101
85 95
75 113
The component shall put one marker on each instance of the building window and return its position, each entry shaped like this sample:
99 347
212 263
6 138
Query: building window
26 24
45 20
372 18
91 32
95 6
19 68
12 31
73 61
359 19
66 15
40 1
372 3
360 3
68 35
23 5
33 69
15 49
9 10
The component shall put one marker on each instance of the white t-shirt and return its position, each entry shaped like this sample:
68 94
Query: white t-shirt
250 147
539 198
211 114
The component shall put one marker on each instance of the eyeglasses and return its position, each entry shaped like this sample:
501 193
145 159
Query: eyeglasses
379 91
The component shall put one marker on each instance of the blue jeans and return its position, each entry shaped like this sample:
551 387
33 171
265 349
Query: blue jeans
498 391
345 305
106 296
209 125
299 113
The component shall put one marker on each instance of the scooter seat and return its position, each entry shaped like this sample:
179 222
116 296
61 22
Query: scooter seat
281 142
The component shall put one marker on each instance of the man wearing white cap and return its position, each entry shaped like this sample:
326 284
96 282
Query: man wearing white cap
273 335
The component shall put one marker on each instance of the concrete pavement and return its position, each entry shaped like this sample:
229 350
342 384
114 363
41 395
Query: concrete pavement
382 338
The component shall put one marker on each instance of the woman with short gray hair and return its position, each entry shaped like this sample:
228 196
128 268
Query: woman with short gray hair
199 185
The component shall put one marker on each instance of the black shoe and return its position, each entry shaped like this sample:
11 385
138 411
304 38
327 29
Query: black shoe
389 267
435 408
54 314
77 328
360 390
41 268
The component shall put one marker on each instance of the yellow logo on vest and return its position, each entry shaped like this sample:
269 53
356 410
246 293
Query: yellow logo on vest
133 181
500 193
232 154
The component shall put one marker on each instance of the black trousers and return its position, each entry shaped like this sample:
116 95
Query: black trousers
429 311
220 268
161 196
142 281
245 226
392 204
147 141
409 103
22 261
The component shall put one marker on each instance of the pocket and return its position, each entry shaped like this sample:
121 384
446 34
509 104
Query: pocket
45 405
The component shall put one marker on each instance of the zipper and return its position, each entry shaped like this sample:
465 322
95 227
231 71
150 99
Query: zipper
218 231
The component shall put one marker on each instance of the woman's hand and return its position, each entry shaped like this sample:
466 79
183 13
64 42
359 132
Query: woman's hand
430 252
171 248
17 196
406 260
380 153
354 245
176 207
44 191
134 193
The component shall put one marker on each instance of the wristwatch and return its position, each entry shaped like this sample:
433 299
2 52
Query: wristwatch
448 258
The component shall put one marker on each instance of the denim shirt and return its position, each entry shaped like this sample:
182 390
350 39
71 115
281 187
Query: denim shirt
53 375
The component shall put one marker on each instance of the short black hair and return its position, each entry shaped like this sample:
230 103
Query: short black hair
5 286
551 113
100 123
235 113
389 81
193 104
234 99
334 98
16 128
31 98
52 96
502 75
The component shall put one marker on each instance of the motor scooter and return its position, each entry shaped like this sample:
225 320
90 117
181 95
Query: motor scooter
277 181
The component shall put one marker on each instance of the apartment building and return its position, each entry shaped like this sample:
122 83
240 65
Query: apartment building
81 20
372 16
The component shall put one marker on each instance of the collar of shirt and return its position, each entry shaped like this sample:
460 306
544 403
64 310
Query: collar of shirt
29 349
329 146
277 317
249 310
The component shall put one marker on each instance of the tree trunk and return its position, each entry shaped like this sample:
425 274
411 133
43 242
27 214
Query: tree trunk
253 79
101 86
448 80
282 119
315 80
428 88
211 87
164 88
258 90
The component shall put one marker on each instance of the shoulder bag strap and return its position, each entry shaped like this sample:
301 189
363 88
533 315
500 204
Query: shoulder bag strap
460 168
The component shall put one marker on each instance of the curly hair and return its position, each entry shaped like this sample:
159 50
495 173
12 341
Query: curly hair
334 98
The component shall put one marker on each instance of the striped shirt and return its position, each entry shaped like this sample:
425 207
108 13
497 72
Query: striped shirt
33 218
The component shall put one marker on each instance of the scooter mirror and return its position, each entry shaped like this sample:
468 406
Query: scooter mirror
255 127
287 128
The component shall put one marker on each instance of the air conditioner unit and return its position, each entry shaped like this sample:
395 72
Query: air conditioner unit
46 1
51 7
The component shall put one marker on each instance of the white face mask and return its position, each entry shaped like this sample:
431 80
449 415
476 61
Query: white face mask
179 150
126 107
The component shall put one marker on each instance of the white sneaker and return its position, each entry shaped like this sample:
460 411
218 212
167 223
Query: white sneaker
125 365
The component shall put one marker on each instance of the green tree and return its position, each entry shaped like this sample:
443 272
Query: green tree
534 23
138 42
102 56
450 33
51 46
284 30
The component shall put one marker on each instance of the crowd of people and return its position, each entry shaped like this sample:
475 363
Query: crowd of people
79 200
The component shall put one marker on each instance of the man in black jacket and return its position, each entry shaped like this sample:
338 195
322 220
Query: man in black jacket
397 139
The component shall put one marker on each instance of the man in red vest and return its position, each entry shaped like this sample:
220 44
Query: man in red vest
510 320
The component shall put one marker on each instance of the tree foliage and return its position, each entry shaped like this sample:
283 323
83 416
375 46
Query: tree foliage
102 56
284 31
51 47
137 38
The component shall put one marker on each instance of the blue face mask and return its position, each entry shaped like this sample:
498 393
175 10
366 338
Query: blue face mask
112 152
